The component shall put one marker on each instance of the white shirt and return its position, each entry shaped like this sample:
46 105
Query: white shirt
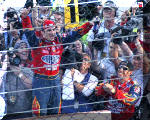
107 37
107 67
68 88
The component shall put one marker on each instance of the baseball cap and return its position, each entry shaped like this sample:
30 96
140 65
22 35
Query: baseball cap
128 64
44 2
48 23
109 4
19 42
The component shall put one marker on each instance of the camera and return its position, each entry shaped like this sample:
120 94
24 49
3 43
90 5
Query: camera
12 16
99 42
13 58
125 31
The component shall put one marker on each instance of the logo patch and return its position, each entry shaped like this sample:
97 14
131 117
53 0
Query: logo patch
51 59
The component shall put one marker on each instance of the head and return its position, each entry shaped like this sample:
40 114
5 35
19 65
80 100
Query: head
138 61
59 19
86 63
109 10
78 46
49 30
124 71
22 52
124 16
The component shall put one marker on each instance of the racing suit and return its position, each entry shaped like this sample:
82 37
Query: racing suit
46 61
122 103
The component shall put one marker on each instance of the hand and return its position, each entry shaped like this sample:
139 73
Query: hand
109 88
15 69
38 22
98 89
72 72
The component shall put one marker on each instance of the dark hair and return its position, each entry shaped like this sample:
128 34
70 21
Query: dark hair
127 64
58 13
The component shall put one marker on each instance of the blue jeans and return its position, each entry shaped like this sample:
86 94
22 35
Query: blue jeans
48 97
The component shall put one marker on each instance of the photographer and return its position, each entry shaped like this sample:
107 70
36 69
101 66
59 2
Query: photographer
16 79
13 33
101 31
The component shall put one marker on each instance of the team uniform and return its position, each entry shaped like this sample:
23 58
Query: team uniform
46 61
122 103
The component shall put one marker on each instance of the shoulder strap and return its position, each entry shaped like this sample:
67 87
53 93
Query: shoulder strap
86 78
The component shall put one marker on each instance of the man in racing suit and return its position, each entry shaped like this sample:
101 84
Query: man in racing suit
122 93
46 62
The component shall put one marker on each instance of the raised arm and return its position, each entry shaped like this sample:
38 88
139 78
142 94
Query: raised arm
78 33
29 30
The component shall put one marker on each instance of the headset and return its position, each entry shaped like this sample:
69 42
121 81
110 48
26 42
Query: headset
109 4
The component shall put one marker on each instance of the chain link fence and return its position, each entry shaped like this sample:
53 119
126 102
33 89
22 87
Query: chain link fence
83 59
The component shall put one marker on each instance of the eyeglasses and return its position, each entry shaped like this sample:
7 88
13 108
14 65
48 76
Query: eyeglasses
123 67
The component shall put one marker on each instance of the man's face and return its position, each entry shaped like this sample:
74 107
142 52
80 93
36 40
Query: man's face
58 21
22 53
123 72
78 46
138 62
49 33
108 13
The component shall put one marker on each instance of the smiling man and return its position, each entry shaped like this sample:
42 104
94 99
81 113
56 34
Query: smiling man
122 92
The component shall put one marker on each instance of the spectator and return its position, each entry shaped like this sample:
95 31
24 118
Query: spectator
16 80
58 18
101 31
13 24
139 74
81 48
122 92
77 88
46 60
2 107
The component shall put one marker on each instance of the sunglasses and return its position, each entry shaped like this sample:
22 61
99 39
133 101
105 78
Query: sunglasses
123 67
138 58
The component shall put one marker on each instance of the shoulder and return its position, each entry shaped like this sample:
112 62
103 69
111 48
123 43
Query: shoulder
93 78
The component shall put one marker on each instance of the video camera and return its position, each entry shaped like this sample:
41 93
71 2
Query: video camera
13 58
99 42
126 32
12 16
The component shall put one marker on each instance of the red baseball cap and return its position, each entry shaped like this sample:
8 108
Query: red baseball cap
48 23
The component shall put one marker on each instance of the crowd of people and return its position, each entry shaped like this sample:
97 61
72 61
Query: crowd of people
47 69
